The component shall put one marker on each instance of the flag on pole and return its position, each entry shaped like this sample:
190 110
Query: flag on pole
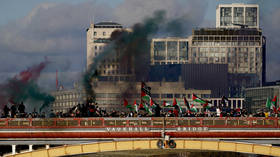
174 102
145 93
180 108
187 104
197 99
274 101
125 103
271 104
135 106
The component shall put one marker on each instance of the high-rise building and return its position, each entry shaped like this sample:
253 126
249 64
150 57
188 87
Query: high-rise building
243 49
98 36
236 15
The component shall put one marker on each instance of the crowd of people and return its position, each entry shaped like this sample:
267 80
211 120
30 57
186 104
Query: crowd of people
92 110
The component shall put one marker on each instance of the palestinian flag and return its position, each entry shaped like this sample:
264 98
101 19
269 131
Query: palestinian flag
271 104
197 99
206 105
148 109
274 101
187 104
145 92
125 103
135 106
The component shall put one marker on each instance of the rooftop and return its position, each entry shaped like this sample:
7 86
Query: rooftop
107 23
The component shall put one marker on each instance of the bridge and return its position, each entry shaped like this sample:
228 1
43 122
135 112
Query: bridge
225 132
181 144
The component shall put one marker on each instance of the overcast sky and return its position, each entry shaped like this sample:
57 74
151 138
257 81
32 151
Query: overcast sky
31 30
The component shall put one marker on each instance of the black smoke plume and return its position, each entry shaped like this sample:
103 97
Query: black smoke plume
133 49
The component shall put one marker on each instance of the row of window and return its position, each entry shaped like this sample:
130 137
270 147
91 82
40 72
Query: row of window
169 62
205 43
68 96
238 16
67 104
95 33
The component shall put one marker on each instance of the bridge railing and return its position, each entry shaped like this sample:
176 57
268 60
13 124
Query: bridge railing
156 122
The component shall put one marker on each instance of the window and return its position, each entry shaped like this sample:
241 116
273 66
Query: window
183 50
159 50
238 17
94 33
172 50
225 14
104 33
251 16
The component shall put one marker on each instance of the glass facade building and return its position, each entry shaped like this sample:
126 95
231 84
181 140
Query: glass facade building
169 51
243 50
236 15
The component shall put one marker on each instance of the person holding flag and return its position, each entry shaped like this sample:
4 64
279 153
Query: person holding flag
271 104
177 108
146 97
133 107
190 108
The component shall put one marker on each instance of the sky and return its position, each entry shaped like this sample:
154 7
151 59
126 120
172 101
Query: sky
32 30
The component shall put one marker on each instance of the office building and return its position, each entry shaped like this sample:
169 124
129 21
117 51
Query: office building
236 15
98 37
243 50
169 51
68 98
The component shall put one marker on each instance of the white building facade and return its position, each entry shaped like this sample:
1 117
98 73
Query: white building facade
98 36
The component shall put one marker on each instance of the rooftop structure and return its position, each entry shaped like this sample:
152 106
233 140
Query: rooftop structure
237 15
